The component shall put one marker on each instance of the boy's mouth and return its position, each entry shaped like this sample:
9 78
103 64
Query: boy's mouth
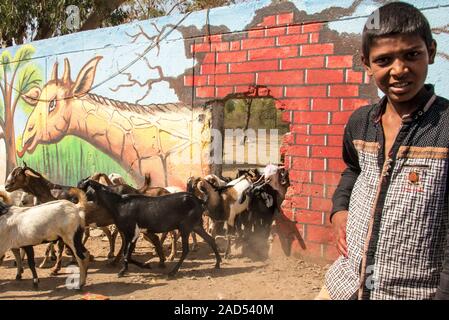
400 87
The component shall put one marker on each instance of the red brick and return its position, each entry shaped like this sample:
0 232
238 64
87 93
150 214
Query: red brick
330 252
274 32
352 104
344 90
256 33
336 165
195 81
294 29
277 92
200 47
281 77
297 104
311 117
309 217
233 56
288 138
209 58
333 129
327 178
219 46
241 88
310 140
326 152
321 204
302 63
235 45
319 234
224 91
273 53
214 68
300 151
330 190
325 104
269 21
341 117
324 76
300 202
334 141
354 76
292 39
285 18
213 38
300 176
301 129
313 190
339 62
312 27
314 37
306 91
205 92
230 79
257 43
308 163
286 117
317 49
254 66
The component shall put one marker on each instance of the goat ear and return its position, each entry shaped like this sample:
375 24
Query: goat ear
30 173
86 77
32 96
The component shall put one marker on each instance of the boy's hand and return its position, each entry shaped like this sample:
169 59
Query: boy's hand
339 221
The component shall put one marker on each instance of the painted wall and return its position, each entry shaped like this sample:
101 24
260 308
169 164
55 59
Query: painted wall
159 80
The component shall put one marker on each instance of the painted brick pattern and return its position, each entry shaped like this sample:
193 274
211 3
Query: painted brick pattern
317 90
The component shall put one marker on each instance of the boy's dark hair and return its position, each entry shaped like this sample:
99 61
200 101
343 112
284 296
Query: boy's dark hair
396 18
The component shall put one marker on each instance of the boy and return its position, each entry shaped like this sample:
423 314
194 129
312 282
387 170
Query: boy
390 210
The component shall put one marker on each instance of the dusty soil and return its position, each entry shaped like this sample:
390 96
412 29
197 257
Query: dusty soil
238 278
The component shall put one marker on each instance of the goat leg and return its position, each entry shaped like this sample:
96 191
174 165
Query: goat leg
30 257
46 255
86 235
185 251
111 243
174 239
121 251
158 246
58 258
210 241
19 265
126 256
194 242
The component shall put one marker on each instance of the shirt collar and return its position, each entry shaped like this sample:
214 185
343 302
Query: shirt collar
423 107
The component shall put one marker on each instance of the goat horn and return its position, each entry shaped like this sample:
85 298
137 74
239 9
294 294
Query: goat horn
258 181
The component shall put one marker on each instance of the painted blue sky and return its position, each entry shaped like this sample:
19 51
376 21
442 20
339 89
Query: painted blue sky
120 53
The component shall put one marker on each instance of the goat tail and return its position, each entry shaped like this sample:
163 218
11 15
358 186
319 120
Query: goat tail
80 195
6 198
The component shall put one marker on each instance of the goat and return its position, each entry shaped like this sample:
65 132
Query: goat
62 219
182 211
225 203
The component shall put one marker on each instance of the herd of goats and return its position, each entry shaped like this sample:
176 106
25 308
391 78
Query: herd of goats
34 210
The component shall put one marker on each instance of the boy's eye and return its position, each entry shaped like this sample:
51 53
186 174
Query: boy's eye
414 54
381 61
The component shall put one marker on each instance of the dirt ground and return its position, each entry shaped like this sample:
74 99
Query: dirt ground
238 278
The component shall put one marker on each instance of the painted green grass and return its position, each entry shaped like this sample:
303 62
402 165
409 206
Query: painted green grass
70 160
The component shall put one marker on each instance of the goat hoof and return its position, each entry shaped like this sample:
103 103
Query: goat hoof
217 266
110 256
146 266
35 284
120 274
54 273
18 277
91 258
171 258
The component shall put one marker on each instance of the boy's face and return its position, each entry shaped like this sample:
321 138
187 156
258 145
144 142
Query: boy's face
399 65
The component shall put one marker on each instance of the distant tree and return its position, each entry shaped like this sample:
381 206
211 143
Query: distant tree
30 20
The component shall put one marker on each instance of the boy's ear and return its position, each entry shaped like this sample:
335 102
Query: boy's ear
366 65
432 52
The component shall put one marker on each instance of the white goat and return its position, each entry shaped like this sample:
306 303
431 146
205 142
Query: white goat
116 179
26 227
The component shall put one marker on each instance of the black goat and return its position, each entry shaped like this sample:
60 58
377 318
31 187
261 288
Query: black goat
182 211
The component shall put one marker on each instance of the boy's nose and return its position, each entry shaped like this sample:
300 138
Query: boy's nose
399 68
